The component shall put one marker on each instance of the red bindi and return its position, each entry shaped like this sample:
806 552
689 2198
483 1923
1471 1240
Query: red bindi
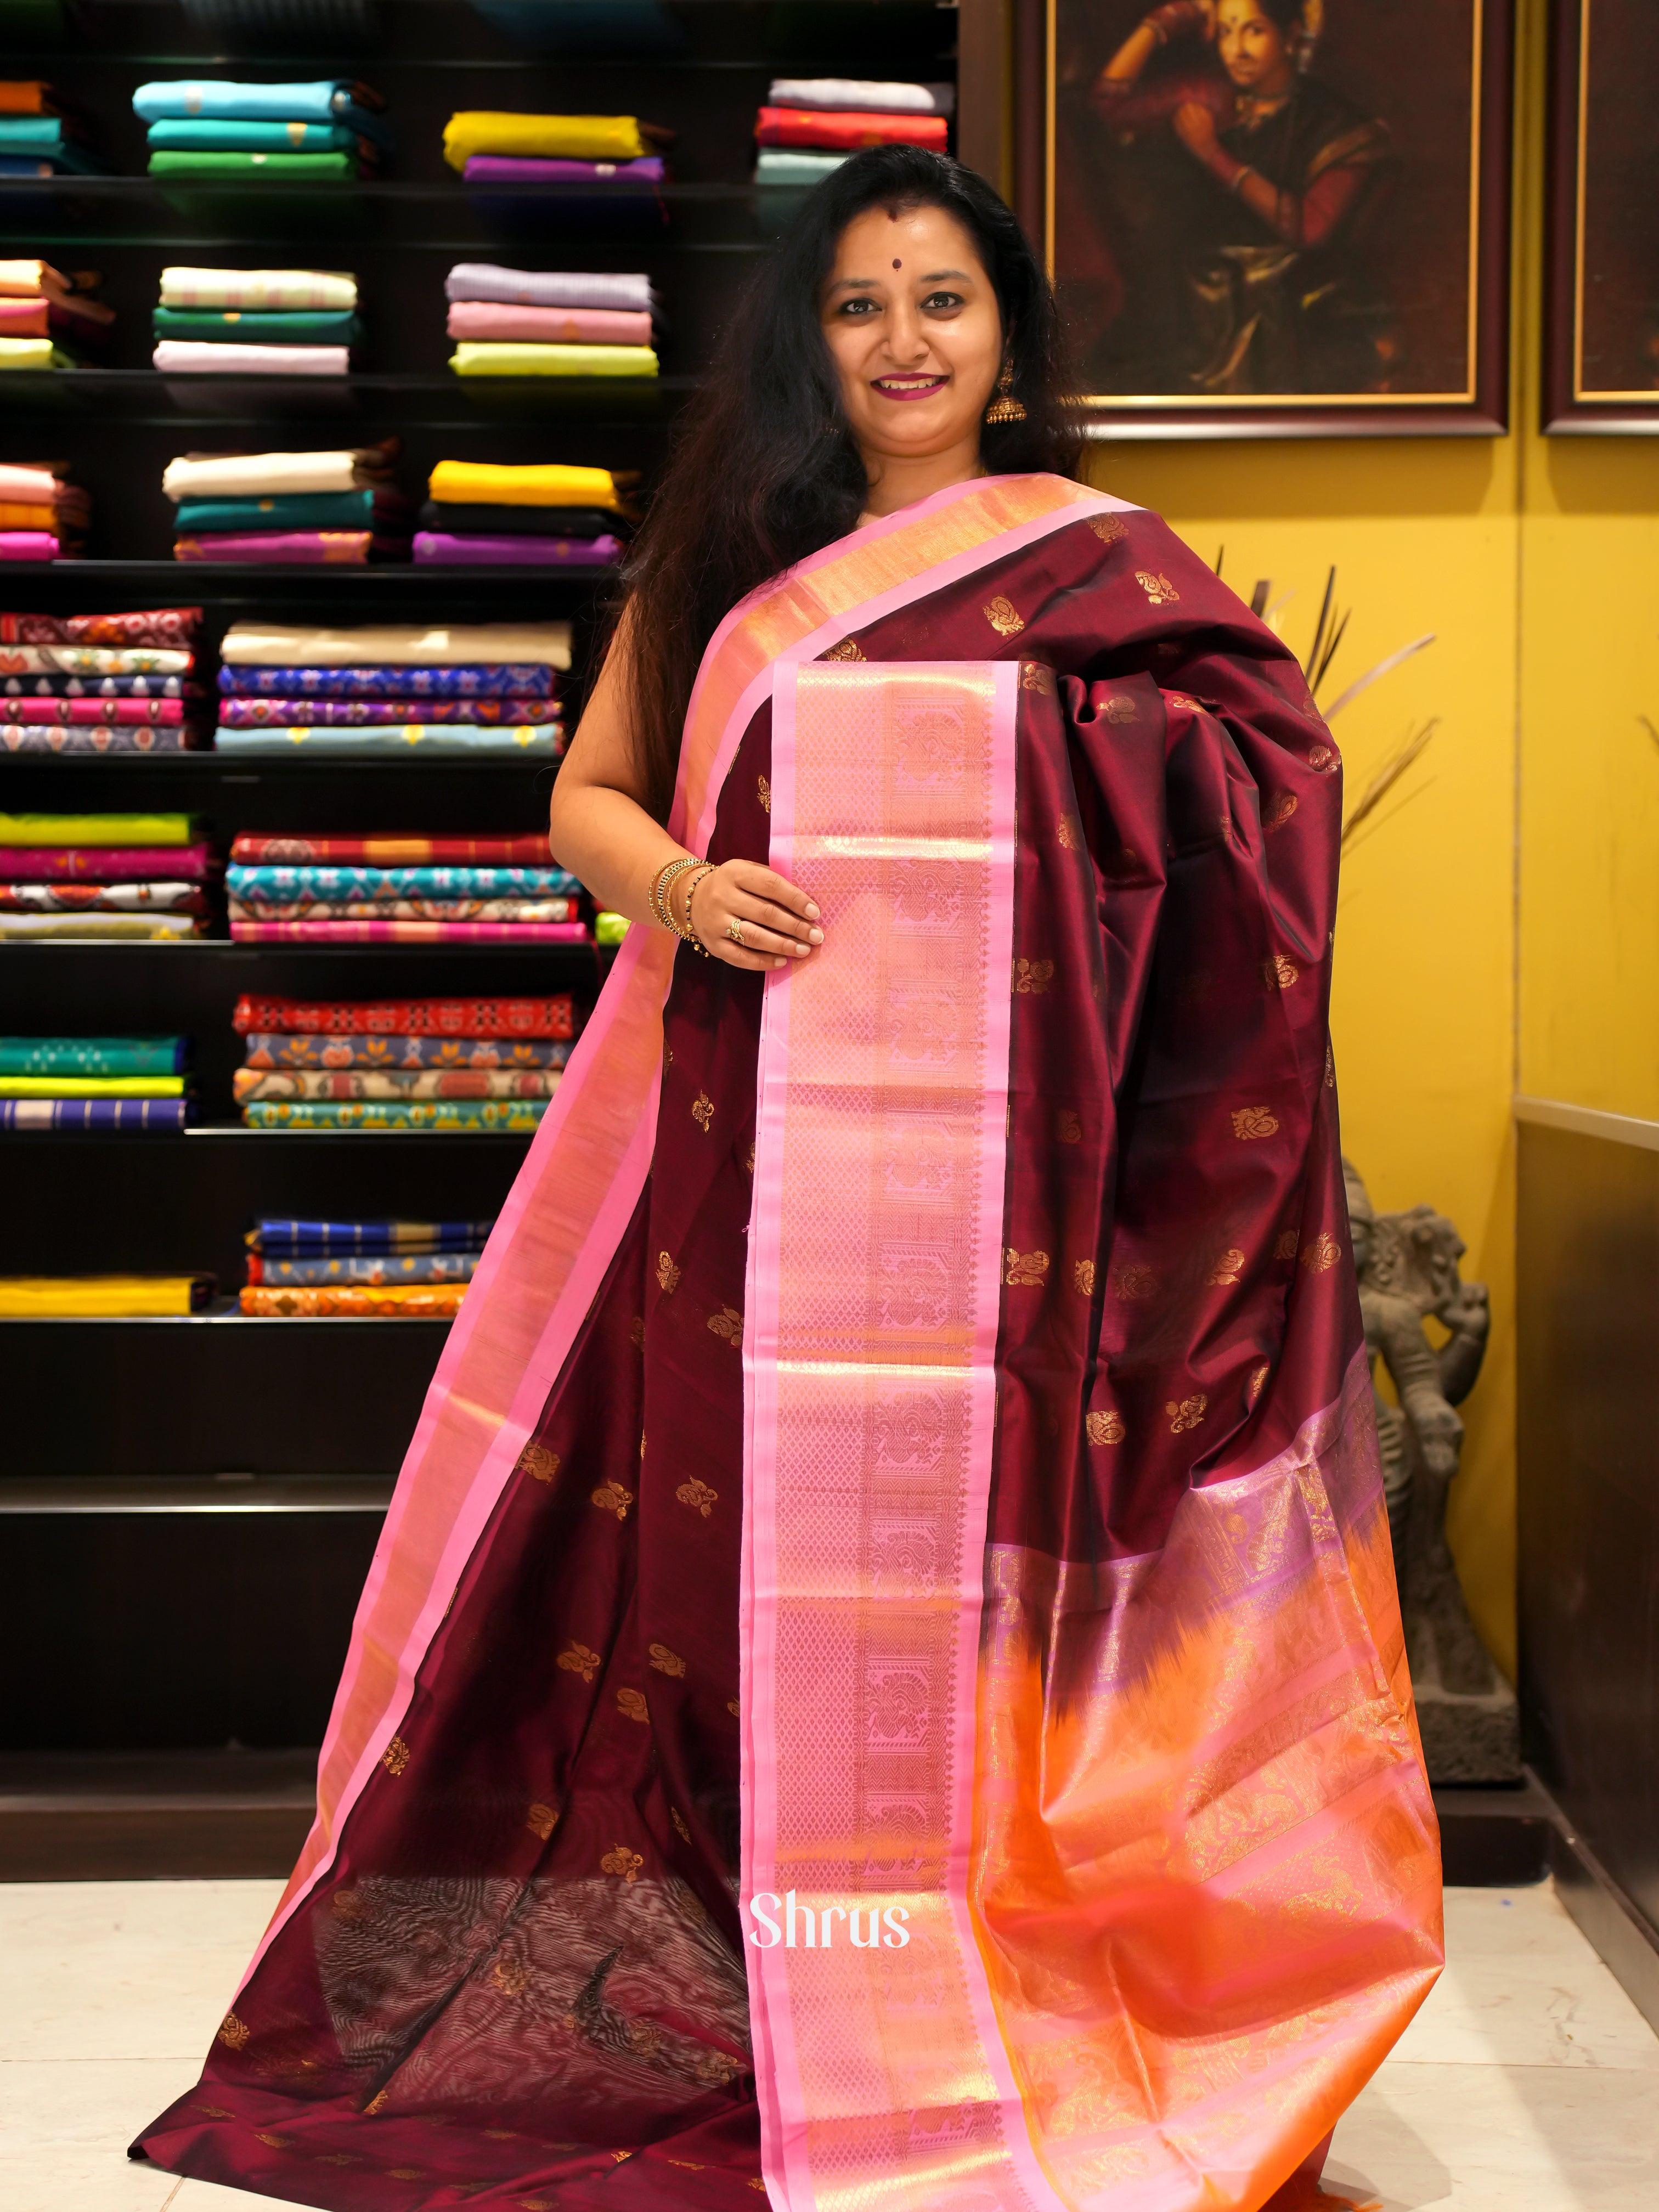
898 264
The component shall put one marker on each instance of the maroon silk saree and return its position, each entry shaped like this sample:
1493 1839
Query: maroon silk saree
882 1681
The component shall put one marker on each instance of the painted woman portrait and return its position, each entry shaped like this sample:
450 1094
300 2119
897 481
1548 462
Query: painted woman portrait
1240 184
882 1683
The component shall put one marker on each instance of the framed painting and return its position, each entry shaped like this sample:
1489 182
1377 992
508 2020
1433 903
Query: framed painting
1274 217
1602 262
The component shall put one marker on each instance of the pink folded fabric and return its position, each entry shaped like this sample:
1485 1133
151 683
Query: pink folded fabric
27 545
109 712
102 863
409 932
202 358
34 486
491 319
347 548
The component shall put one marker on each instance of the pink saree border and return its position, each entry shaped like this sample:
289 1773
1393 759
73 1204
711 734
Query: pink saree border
589 1159
785 2098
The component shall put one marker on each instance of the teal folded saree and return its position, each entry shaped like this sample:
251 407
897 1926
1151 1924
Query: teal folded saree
250 327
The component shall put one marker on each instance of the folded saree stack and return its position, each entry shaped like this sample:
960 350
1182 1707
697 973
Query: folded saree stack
474 689
372 1270
612 152
460 1066
327 132
547 322
48 320
339 508
38 138
128 1084
811 125
549 516
42 517
496 895
101 683
256 322
102 876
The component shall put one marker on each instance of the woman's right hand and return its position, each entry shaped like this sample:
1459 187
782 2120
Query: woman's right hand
777 920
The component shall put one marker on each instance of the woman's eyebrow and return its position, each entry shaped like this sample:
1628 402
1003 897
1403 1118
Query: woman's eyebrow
937 275
855 283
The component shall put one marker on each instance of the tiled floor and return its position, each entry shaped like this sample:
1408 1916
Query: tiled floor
1528 2083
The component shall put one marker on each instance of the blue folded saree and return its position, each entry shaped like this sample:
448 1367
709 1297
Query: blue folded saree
225 134
329 99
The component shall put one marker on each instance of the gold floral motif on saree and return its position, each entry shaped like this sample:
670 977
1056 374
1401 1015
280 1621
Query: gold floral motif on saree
1186 1412
377 2103
1279 973
1228 1268
763 792
666 1662
1068 1126
727 1324
1109 528
233 2033
1257 1382
1320 1252
612 1497
1323 758
1251 1122
1104 1428
849 649
1285 1248
668 1275
536 1460
748 1162
1066 829
1159 589
637 1333
632 1706
1037 676
1082 1277
703 1111
1119 709
579 1660
1134 1281
541 1820
684 1835
395 1757
1279 812
1024 1270
1004 616
698 1495
510 1976
1033 976
620 1860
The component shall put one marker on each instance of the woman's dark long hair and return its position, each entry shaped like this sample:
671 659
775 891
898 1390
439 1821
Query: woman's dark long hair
765 468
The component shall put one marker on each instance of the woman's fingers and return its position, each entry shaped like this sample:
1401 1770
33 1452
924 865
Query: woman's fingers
766 884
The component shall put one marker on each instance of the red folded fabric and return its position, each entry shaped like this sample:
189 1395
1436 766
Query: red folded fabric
394 852
456 1018
843 131
174 627
411 933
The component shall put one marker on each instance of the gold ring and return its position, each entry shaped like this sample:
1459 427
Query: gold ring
734 931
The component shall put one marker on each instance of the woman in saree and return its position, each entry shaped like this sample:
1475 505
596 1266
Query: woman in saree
882 1681
1275 294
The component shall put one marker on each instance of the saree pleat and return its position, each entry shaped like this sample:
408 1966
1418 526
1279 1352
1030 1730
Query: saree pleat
1026 1569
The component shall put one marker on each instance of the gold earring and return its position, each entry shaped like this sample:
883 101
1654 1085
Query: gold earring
1005 408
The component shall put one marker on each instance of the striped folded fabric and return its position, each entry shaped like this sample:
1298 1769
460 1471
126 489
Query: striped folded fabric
287 1239
123 1116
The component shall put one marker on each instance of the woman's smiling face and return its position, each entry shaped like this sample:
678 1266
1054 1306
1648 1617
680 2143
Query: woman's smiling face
911 320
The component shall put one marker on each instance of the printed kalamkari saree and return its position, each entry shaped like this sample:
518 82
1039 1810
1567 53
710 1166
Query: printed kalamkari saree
881 1684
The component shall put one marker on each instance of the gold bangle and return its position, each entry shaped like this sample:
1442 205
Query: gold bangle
660 889
689 932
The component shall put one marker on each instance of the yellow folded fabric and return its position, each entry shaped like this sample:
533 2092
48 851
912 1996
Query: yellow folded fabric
496 483
25 1297
553 137
94 830
92 1086
476 358
403 1301
28 353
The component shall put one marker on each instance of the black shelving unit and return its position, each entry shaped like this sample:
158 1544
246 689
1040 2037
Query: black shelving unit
191 1504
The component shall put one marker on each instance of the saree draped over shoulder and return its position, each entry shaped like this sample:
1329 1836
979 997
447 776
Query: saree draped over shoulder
882 1683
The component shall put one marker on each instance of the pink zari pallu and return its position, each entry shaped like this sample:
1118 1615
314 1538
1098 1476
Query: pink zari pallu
1138 1798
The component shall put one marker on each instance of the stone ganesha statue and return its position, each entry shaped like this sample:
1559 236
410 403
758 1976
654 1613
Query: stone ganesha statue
1407 1265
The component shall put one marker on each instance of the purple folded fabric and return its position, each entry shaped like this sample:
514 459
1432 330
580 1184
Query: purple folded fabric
27 545
437 547
525 169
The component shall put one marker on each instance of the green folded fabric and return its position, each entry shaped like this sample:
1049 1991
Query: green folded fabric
318 510
208 134
481 359
129 830
322 327
57 1057
289 168
449 1115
